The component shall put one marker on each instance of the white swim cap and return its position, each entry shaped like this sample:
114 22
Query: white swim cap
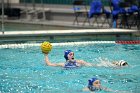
122 63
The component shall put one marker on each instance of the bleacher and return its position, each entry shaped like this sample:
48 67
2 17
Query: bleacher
57 10
11 12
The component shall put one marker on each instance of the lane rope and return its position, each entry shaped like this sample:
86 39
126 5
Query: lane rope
24 45
128 42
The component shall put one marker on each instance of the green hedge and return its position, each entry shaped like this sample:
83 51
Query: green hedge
64 2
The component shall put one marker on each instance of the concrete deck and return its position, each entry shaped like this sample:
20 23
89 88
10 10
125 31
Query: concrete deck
65 32
68 35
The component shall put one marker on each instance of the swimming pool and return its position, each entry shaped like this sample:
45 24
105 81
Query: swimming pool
23 70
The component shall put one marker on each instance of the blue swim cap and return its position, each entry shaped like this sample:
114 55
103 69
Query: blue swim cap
66 52
90 82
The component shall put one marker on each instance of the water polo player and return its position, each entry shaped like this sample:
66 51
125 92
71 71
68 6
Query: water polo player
68 55
108 63
120 63
94 84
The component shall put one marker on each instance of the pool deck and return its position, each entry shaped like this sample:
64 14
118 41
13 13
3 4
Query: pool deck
69 35
65 32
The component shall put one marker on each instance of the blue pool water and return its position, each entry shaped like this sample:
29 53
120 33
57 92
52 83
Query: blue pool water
23 70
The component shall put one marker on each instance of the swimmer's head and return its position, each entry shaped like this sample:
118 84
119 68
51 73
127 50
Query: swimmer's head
66 53
94 82
121 63
90 82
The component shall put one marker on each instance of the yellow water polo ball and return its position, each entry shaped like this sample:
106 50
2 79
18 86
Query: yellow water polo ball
46 47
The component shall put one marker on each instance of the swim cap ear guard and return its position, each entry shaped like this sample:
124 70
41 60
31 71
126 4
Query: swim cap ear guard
66 54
